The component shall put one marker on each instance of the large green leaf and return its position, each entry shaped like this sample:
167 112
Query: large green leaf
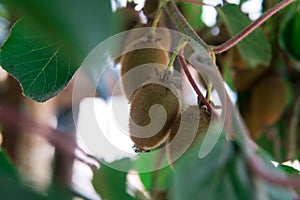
10 184
255 48
6 167
222 174
110 183
44 51
39 63
81 25
290 32
204 178
156 178
193 14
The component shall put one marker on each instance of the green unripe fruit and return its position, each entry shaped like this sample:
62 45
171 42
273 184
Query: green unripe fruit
154 107
187 130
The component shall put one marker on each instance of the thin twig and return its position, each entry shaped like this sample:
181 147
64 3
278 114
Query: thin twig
193 84
257 168
244 33
11 118
182 25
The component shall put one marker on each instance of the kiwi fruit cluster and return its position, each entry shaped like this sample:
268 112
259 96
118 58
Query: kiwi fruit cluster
155 112
268 98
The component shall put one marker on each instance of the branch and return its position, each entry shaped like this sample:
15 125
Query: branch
244 33
193 84
182 25
11 118
259 170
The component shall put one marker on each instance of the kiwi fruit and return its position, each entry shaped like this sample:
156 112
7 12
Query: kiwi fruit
267 101
150 8
268 98
146 61
124 18
187 130
154 107
243 79
141 65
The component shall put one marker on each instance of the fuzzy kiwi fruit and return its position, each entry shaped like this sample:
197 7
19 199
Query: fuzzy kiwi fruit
146 60
244 78
150 8
267 102
141 65
124 18
187 130
154 107
268 98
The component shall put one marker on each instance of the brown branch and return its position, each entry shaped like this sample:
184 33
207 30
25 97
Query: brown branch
257 168
11 118
193 83
244 33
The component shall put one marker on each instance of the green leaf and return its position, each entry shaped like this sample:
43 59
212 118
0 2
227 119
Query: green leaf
255 48
110 183
288 169
289 37
10 184
274 192
205 178
12 189
44 51
193 14
156 178
39 63
80 25
6 167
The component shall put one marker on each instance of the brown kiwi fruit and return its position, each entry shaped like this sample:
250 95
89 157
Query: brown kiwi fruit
267 102
244 78
187 130
148 124
268 98
161 36
141 65
125 18
137 65
150 8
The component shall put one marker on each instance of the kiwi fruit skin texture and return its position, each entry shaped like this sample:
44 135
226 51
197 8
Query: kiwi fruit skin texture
149 95
150 8
145 51
266 104
188 129
244 78
141 65
268 98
